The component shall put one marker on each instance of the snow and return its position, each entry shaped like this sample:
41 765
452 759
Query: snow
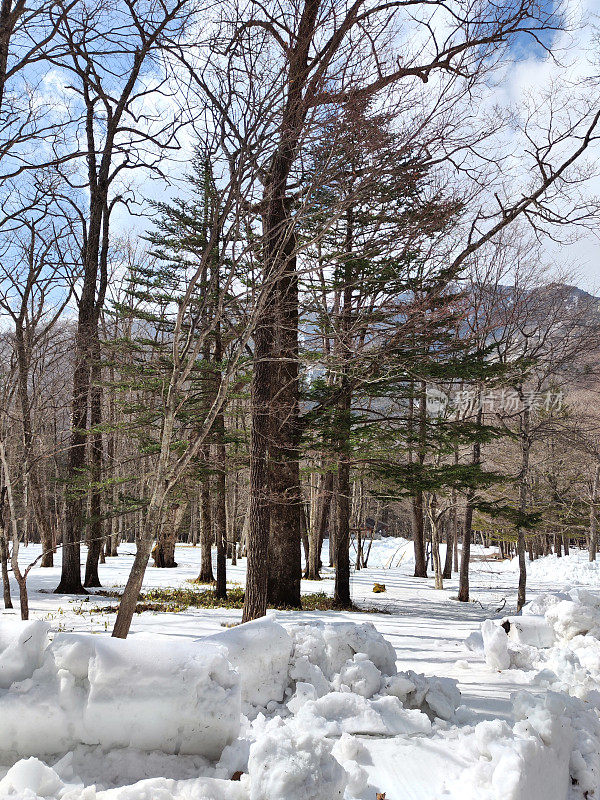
423 700
260 652
531 629
495 645
21 648
293 764
146 692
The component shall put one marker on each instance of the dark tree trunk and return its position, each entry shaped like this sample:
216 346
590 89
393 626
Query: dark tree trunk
343 426
257 540
4 551
417 504
220 503
523 478
450 534
206 532
418 533
465 558
593 514
85 338
285 555
95 535
281 279
341 596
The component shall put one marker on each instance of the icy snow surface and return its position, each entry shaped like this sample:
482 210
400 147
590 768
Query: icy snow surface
427 700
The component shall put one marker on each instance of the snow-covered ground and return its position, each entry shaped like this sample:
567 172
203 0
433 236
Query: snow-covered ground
308 705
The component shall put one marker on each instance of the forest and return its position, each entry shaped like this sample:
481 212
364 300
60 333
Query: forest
298 316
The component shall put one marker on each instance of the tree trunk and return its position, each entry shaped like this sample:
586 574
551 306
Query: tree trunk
450 537
417 504
4 551
206 532
281 303
136 576
523 477
96 534
593 516
418 534
5 578
463 584
258 519
341 595
318 526
285 554
70 580
220 506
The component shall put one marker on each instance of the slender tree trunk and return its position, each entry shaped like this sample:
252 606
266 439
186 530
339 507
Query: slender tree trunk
5 578
593 514
220 505
206 531
20 577
136 576
523 477
450 536
4 551
318 526
463 585
32 485
418 534
455 558
417 503
343 427
341 595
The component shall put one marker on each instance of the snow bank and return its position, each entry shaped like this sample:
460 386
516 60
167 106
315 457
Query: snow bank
574 569
531 761
147 692
353 667
287 763
558 640
532 629
31 779
260 652
22 646
330 645
558 636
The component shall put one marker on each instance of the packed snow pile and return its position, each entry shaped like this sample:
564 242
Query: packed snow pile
539 758
147 692
265 711
552 747
344 658
557 637
279 705
260 652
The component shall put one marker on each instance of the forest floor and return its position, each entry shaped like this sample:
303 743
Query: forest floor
427 629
